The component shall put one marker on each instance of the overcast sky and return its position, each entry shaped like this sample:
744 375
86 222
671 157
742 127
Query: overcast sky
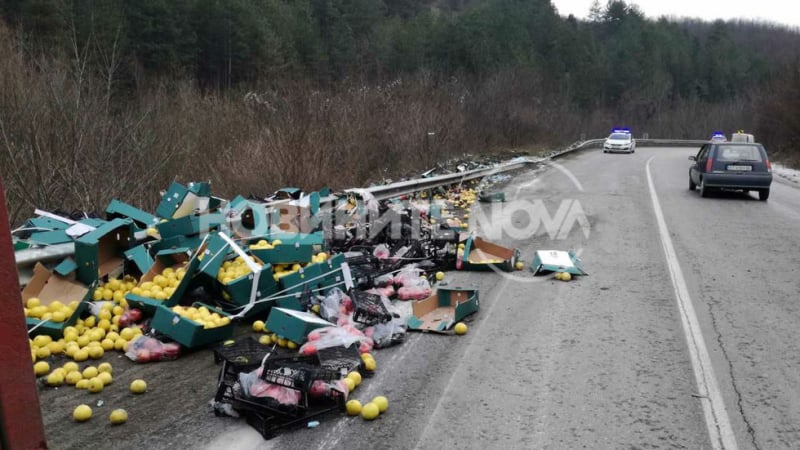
785 12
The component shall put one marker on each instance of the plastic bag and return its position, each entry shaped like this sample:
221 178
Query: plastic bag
148 349
343 336
381 252
414 292
384 280
389 333
409 276
322 389
335 305
386 291
253 386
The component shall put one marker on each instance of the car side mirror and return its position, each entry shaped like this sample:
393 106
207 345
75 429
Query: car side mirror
692 158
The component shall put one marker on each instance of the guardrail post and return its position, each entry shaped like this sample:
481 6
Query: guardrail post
21 424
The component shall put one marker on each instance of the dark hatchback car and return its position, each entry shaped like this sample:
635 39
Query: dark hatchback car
731 165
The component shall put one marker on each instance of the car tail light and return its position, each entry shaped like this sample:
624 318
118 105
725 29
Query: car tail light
709 163
769 166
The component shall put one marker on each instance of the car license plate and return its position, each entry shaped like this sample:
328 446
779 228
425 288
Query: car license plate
740 168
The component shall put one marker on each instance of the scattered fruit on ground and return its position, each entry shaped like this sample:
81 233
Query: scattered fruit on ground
138 386
73 377
106 378
90 372
370 411
105 367
82 413
353 407
265 340
41 368
95 385
350 384
439 276
70 366
382 402
566 276
258 326
82 383
460 328
55 379
118 416
370 365
519 265
355 376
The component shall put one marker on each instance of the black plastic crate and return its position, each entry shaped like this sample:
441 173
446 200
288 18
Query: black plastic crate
268 424
368 309
270 406
340 359
297 372
244 353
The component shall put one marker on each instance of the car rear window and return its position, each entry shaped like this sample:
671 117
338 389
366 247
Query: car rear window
620 137
732 153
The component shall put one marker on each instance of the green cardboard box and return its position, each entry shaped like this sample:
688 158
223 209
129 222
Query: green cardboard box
190 225
215 252
121 210
294 248
180 200
294 325
187 332
443 309
483 255
556 261
101 251
175 258
49 287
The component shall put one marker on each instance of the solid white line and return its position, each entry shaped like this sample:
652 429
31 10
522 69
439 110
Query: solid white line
719 427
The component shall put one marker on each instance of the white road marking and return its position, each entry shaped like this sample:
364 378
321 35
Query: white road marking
719 427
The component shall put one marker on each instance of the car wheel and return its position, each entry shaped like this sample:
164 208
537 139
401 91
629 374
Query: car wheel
605 151
763 195
704 191
692 186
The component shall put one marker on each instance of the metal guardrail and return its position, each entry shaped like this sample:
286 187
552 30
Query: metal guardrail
28 257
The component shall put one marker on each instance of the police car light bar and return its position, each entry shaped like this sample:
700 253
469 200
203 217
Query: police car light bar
718 133
621 130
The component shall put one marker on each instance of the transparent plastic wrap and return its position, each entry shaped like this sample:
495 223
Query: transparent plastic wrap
381 251
148 349
254 387
343 336
334 305
387 334
324 389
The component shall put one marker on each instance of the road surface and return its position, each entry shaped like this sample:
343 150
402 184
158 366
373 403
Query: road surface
603 361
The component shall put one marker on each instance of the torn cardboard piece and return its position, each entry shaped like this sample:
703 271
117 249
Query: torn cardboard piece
101 251
480 254
49 287
545 261
442 310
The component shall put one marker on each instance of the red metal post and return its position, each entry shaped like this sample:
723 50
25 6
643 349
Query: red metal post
21 424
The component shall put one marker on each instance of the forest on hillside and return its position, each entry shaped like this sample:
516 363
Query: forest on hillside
114 98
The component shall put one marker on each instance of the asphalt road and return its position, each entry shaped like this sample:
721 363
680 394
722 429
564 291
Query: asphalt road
599 362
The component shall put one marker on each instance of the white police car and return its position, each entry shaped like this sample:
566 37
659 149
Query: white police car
718 136
620 140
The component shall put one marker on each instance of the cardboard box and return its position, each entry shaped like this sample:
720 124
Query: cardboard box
180 201
443 309
101 251
294 248
175 258
483 255
49 287
239 291
545 261
190 225
121 210
293 218
247 218
187 332
294 325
